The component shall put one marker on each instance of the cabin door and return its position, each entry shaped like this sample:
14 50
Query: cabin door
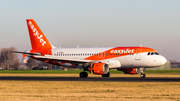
138 54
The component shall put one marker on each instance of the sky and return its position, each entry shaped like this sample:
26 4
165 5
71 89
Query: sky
94 23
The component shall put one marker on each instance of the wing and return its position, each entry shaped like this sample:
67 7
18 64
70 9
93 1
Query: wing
75 63
59 59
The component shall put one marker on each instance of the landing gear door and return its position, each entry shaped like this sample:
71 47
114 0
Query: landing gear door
138 54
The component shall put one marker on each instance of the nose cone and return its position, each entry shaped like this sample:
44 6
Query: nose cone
162 60
156 60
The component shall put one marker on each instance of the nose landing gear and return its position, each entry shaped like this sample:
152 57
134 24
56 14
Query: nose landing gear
142 75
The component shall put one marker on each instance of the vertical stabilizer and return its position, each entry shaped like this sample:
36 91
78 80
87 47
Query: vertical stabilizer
37 38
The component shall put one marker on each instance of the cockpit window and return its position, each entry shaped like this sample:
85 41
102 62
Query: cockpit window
152 53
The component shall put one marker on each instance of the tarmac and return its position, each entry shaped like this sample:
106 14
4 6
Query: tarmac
118 79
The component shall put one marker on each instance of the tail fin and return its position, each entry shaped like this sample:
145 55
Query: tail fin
38 39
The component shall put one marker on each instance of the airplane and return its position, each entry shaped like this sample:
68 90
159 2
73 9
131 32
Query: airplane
97 60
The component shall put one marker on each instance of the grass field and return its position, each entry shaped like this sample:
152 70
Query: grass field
172 71
87 90
89 75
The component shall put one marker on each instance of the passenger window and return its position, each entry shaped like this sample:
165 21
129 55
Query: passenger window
148 53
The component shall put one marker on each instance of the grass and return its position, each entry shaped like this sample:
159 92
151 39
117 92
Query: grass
88 91
89 75
172 71
164 71
40 71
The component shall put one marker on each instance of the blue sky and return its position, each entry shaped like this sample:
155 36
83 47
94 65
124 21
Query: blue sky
89 23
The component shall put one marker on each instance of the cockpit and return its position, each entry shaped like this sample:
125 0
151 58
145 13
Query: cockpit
152 53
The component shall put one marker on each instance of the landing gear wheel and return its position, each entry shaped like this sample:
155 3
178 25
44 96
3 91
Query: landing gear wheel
83 74
143 75
106 75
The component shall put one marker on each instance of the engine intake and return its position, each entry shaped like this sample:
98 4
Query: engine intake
99 68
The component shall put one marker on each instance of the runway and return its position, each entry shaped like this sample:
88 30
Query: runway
120 79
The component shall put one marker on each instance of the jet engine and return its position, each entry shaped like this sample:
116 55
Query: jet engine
131 70
99 68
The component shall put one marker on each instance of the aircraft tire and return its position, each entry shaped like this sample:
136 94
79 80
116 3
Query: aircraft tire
106 75
83 74
143 75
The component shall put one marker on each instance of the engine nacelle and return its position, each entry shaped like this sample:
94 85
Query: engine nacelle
131 70
99 68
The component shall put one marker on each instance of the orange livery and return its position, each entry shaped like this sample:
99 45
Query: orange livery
130 60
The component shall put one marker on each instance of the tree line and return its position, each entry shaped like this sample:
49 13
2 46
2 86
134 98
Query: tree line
9 61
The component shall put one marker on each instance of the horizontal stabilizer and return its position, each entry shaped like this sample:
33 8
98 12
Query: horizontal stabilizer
26 53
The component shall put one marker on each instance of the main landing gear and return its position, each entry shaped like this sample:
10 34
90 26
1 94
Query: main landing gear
142 75
106 75
83 74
